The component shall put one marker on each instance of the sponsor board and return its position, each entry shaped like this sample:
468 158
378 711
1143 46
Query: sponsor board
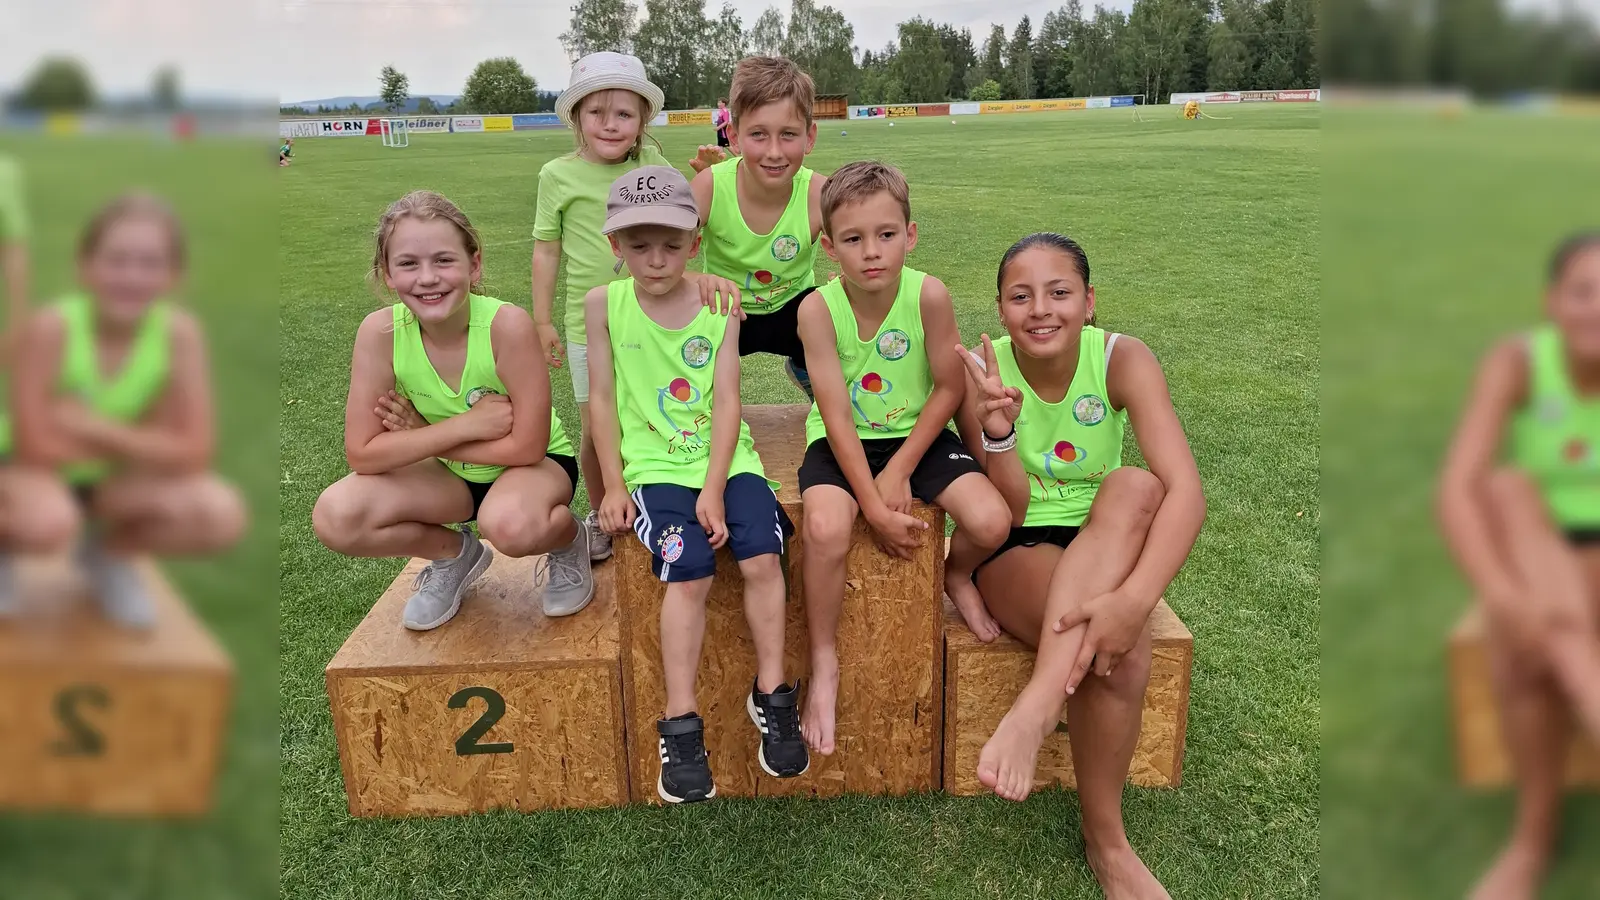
342 127
690 117
1078 103
1222 97
428 124
900 112
496 123
1000 106
660 120
1310 96
933 109
1098 103
536 120
299 129
1122 101
964 109
866 112
1258 97
467 124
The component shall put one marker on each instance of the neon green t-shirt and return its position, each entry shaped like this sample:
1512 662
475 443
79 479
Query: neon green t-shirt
664 381
888 376
417 380
572 210
1555 437
769 268
1067 448
128 394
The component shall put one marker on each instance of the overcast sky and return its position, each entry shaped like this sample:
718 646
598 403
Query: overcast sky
330 48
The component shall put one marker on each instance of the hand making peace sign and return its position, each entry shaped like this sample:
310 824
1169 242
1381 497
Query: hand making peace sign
997 405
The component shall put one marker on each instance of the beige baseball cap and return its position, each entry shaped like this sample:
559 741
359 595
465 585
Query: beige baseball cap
651 195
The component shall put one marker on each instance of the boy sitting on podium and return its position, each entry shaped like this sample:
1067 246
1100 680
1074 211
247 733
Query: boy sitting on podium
681 469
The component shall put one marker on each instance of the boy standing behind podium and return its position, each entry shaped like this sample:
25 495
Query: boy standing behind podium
664 402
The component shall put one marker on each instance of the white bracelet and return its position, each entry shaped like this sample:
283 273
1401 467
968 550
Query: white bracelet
989 446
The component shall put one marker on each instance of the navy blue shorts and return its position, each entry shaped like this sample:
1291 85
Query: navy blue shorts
680 550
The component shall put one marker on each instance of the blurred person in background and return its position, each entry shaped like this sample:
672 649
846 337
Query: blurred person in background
114 426
14 276
1525 529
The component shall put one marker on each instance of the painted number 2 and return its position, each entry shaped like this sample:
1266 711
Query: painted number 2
81 739
467 744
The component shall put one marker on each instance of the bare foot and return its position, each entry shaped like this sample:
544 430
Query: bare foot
1515 875
816 725
970 603
1006 764
1123 875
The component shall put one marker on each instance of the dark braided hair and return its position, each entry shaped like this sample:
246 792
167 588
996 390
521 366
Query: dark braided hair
1057 242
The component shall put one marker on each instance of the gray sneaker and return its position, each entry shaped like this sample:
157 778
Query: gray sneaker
442 583
599 541
117 586
564 574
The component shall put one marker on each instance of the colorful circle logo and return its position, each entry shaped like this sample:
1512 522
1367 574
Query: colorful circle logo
671 548
478 393
873 383
1089 410
1066 452
893 344
762 277
785 247
680 390
696 352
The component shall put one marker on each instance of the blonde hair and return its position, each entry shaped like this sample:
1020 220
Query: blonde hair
607 104
760 80
424 206
855 182
135 205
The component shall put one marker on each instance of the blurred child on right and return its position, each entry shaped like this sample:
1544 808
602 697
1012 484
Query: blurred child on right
1525 528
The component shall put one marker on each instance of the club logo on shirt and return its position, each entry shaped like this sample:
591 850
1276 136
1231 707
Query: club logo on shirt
1576 451
478 393
1089 410
671 544
696 351
893 344
785 247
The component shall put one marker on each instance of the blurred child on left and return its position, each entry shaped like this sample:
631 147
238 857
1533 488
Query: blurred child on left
14 272
113 438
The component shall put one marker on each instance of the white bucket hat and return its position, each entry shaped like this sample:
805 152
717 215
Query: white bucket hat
607 70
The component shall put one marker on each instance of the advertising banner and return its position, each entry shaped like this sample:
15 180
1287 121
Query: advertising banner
1121 101
1258 97
690 117
300 129
999 106
866 112
341 127
933 109
1098 103
1078 103
1221 97
374 126
659 121
536 120
901 112
460 124
963 109
496 123
428 124
1181 99
1310 96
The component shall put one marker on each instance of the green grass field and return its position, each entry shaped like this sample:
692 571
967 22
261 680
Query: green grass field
224 192
1439 231
1203 237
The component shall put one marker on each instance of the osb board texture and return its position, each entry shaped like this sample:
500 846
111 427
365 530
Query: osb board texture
983 680
115 742
890 681
398 740
1481 757
779 433
59 625
103 719
501 625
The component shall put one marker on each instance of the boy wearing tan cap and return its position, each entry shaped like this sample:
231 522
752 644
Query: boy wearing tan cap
681 470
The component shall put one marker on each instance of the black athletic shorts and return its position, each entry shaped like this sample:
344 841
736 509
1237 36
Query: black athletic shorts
1583 537
1031 536
480 489
946 460
722 138
776 332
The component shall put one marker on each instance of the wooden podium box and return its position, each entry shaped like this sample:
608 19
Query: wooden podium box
99 719
500 707
890 654
983 680
1481 758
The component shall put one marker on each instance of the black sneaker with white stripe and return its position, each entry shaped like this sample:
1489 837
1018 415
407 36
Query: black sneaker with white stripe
783 751
685 771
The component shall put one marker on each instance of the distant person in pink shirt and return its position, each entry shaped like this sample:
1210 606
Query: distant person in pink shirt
721 118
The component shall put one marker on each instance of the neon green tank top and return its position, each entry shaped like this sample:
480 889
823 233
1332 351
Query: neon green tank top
435 401
770 268
887 377
124 397
1555 437
663 383
1067 448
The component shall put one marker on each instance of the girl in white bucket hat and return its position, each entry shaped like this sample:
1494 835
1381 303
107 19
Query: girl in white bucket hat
608 103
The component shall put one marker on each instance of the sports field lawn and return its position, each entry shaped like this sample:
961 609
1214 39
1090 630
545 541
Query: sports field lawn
1203 238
